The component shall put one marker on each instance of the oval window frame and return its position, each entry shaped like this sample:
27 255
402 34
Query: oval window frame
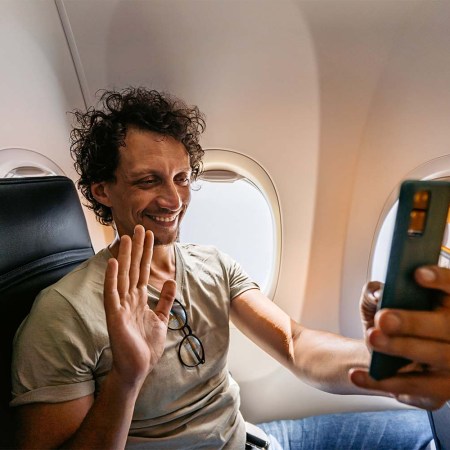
233 161
14 158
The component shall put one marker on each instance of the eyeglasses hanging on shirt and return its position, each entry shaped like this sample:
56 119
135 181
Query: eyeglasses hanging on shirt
190 350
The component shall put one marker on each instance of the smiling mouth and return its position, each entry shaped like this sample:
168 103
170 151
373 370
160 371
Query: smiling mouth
164 219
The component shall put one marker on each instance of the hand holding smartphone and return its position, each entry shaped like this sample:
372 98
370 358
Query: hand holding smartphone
417 241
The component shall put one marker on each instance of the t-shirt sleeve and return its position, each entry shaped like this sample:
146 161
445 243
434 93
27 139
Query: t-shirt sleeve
53 355
239 280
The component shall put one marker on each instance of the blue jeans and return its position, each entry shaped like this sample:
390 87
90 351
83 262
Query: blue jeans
382 430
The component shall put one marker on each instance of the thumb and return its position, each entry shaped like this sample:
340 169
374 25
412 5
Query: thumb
166 299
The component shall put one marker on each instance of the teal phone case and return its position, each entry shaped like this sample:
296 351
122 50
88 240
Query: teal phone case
415 243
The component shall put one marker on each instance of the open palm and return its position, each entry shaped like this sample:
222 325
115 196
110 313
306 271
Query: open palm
137 334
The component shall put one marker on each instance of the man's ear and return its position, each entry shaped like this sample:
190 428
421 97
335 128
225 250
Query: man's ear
100 193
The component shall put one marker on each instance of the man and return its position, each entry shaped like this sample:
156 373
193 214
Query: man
131 347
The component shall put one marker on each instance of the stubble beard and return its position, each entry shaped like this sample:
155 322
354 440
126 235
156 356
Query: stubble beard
170 240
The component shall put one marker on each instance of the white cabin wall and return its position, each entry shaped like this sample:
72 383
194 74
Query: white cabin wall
353 43
408 125
38 85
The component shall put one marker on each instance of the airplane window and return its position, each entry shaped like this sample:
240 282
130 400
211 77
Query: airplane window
230 211
235 217
19 162
383 246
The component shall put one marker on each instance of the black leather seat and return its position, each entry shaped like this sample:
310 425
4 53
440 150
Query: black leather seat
43 235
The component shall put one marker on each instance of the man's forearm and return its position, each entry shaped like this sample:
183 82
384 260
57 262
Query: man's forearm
323 360
107 423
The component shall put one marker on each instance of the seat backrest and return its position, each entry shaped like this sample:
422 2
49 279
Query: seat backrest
43 235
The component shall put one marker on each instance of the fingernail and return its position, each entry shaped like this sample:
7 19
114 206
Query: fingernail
358 378
403 398
391 322
427 274
379 340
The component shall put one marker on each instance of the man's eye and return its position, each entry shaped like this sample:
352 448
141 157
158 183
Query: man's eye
184 181
149 181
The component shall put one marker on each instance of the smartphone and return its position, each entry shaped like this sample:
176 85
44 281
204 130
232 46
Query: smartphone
420 238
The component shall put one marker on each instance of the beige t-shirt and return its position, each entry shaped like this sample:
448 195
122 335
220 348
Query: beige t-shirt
62 352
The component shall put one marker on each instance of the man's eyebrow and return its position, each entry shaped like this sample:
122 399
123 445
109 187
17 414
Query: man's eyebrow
146 172
142 173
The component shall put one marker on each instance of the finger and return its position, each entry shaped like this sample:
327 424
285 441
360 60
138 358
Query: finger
124 257
111 296
373 290
420 402
434 277
425 324
371 296
433 353
368 304
433 388
136 254
166 299
147 255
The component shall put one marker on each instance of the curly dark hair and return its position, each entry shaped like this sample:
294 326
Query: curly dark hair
100 132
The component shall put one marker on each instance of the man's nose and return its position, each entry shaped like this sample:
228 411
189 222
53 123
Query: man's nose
169 197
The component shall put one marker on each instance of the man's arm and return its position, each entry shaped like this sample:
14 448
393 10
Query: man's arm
333 363
83 423
137 337
80 423
321 359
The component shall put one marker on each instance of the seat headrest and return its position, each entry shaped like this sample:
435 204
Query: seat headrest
43 235
39 216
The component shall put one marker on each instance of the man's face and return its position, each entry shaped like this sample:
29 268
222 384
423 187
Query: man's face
152 186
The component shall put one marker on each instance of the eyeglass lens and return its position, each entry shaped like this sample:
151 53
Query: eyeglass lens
178 316
191 351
